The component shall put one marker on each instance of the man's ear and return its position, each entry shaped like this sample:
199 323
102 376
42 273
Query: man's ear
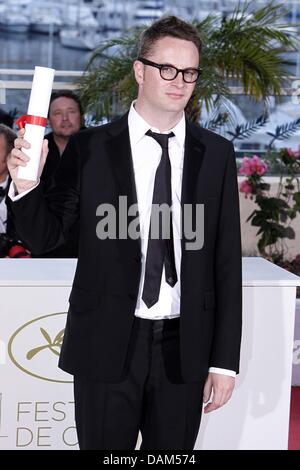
138 69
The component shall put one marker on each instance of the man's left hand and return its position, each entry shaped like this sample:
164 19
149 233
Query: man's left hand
219 388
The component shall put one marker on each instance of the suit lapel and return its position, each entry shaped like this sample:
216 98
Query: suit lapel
118 148
193 157
119 153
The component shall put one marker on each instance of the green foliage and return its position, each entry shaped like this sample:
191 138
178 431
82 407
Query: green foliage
108 86
244 49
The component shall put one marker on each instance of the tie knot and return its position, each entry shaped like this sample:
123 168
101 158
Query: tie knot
162 139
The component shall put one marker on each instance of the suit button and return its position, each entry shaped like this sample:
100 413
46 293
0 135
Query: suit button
132 296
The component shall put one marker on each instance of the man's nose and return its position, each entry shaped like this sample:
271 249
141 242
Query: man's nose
178 81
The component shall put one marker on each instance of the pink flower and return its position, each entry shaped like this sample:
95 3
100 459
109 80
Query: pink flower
246 188
252 166
290 152
246 167
294 153
258 166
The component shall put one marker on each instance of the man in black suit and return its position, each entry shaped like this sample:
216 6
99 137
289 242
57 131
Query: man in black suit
154 324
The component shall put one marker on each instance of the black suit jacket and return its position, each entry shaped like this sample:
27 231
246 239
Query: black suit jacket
97 168
70 248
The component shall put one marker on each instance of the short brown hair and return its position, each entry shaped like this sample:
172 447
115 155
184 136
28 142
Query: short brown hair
66 94
167 26
9 137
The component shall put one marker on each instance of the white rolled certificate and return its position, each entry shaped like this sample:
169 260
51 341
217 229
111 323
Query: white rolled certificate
36 119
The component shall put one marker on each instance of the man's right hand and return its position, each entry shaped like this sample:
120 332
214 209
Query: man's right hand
18 158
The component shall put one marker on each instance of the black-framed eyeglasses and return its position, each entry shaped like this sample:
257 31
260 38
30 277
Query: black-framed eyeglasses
169 72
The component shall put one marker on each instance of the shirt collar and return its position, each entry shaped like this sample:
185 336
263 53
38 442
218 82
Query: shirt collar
138 127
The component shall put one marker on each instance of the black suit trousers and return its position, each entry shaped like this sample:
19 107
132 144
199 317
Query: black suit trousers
151 398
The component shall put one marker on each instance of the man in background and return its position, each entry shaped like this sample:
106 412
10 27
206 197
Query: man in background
65 119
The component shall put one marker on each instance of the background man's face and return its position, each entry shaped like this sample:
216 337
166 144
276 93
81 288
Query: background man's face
3 157
64 117
165 95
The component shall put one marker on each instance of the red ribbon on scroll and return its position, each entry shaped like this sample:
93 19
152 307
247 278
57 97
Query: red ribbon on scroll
29 119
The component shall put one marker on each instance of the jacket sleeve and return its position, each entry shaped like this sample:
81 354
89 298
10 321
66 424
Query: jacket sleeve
228 274
43 219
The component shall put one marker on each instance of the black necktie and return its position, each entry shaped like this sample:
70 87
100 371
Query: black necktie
160 250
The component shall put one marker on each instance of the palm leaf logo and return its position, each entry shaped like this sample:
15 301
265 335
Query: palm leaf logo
51 345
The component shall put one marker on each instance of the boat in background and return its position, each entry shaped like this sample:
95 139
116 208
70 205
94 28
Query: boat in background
12 22
80 31
45 22
79 38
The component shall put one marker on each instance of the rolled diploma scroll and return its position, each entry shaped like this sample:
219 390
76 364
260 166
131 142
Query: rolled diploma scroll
34 134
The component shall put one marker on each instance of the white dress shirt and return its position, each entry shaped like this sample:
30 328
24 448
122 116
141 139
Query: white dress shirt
146 154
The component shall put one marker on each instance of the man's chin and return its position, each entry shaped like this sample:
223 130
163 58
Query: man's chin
176 105
66 134
175 108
